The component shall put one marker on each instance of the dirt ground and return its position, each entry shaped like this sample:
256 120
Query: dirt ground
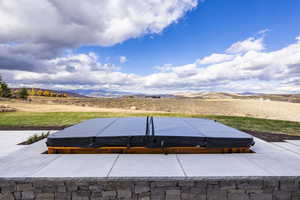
231 107
272 137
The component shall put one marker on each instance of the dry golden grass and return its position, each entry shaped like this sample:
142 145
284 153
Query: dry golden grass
229 107
24 106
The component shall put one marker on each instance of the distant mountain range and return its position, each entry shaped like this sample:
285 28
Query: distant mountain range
84 93
102 93
113 93
206 95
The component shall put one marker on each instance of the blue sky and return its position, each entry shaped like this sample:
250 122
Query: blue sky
166 46
211 27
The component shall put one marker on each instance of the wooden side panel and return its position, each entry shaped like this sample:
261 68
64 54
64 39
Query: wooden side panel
144 150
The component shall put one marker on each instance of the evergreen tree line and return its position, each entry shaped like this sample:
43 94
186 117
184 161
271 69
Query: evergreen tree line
6 92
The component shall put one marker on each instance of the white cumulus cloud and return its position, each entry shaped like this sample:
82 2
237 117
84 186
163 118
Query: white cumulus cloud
76 22
214 58
36 31
250 44
274 71
123 59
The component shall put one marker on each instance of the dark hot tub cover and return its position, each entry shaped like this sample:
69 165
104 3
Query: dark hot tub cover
150 132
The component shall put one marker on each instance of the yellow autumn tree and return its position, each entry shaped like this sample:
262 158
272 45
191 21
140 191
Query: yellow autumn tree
46 93
39 93
32 92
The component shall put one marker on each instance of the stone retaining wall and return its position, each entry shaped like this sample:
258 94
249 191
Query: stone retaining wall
210 188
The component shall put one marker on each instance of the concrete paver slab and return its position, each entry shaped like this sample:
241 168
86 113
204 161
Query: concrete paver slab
276 164
79 165
288 146
26 167
294 142
263 147
9 140
147 165
219 165
26 161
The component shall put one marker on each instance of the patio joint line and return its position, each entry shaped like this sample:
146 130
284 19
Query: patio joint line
181 166
294 152
46 165
113 165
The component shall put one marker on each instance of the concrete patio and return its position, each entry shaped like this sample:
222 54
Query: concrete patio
270 159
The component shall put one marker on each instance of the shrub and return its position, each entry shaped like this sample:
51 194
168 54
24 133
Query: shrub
35 138
32 92
23 93
4 90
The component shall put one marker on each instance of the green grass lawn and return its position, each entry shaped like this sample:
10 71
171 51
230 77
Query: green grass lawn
69 118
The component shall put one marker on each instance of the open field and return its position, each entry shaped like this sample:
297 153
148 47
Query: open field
228 107
295 98
25 106
62 119
244 114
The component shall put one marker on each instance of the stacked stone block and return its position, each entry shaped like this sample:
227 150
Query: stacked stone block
229 188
